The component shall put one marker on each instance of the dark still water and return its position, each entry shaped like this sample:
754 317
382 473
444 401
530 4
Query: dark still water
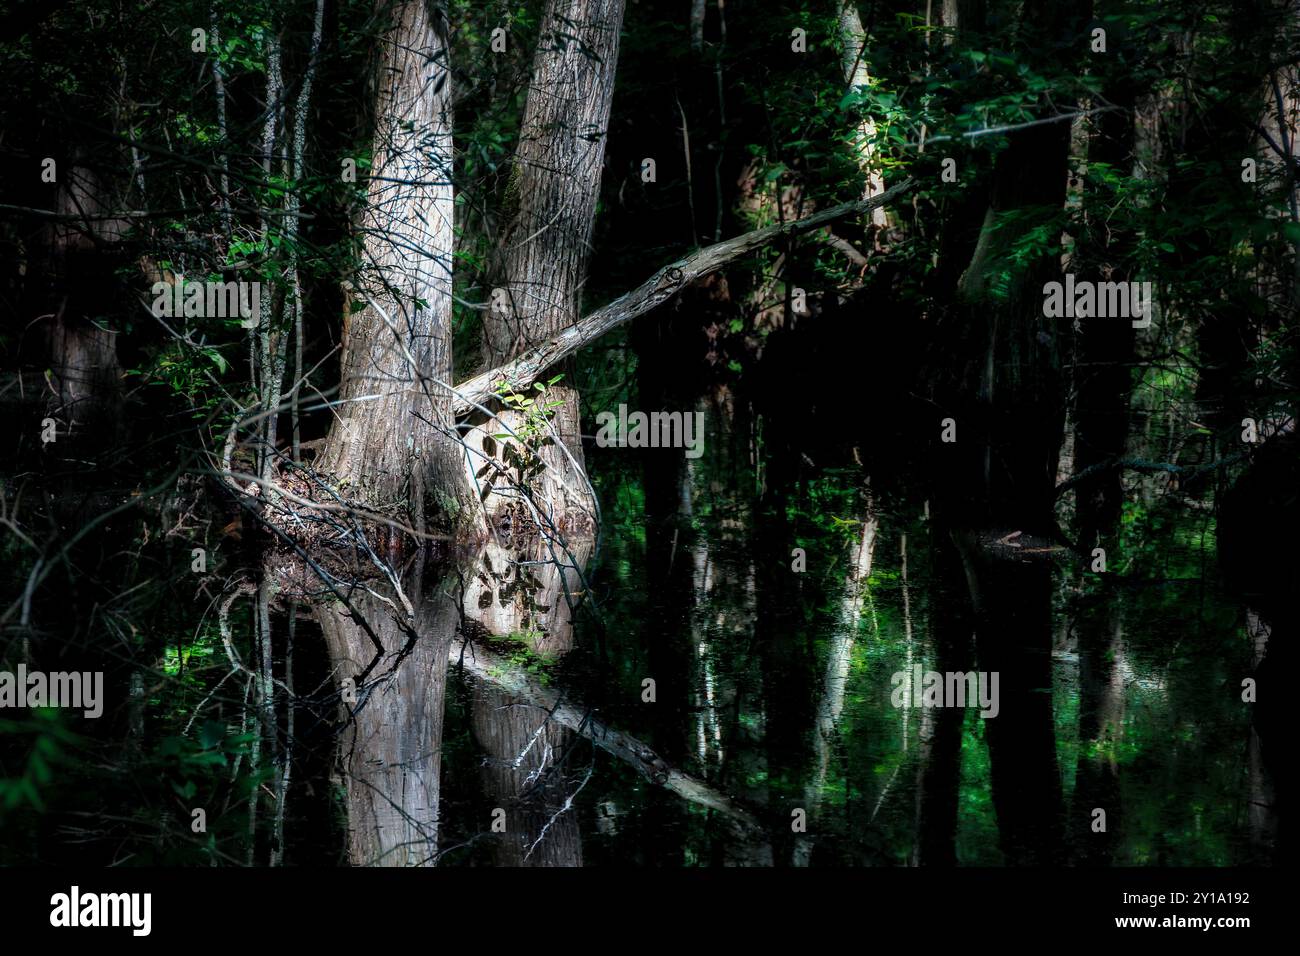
753 664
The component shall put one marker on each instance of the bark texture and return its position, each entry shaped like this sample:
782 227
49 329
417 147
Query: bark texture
85 396
392 437
853 43
549 210
391 749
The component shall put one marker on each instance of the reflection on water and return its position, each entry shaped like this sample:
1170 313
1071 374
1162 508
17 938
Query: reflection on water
710 682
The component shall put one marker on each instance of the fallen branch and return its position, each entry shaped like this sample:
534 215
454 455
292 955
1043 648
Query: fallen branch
1013 127
658 289
490 667
1184 472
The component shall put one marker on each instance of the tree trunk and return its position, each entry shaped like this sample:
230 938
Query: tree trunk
85 376
853 54
938 771
393 435
839 658
998 478
1103 383
528 591
391 749
550 208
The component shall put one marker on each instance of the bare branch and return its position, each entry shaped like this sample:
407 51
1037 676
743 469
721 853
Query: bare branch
1183 472
655 291
494 669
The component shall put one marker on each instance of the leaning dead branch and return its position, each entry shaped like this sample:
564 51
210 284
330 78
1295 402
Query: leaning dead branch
487 666
1184 473
658 289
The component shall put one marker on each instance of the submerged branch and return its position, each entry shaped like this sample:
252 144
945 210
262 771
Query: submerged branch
497 670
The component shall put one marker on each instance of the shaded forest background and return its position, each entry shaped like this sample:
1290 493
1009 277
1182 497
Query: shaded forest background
299 145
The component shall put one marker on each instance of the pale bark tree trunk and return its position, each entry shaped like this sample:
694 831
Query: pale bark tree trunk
950 19
391 748
718 502
699 9
839 657
528 591
267 332
724 601
292 224
525 774
393 435
853 40
550 207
